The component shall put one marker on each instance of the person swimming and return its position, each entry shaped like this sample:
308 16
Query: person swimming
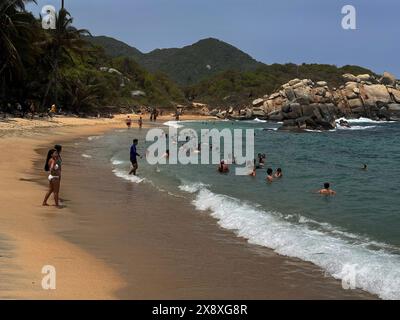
223 167
327 190
278 174
270 177
365 167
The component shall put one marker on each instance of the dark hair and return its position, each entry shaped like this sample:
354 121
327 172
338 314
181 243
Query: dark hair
326 185
269 171
49 155
279 170
135 140
58 148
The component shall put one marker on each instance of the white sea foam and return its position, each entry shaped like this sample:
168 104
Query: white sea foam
377 271
173 124
86 156
361 120
116 162
91 138
124 175
355 127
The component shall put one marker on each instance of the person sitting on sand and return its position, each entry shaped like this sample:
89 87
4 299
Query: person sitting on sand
270 177
326 190
54 177
128 122
223 167
133 157
278 174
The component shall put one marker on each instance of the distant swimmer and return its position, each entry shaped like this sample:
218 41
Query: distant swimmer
326 190
253 172
365 167
278 174
261 160
223 167
270 177
344 123
128 122
133 157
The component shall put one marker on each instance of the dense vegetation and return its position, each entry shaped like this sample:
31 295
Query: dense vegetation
61 67
84 74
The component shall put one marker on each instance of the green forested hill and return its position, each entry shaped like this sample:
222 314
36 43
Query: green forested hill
187 65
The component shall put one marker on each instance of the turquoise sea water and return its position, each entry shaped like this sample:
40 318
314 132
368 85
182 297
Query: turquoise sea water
356 231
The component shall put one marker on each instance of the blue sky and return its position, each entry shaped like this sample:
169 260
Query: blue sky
270 31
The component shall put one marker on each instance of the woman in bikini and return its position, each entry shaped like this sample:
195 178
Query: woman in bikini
54 167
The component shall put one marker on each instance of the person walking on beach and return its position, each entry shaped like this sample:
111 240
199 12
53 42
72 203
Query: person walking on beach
133 157
327 190
54 169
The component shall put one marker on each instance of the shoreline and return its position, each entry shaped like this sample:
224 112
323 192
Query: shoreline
115 277
26 243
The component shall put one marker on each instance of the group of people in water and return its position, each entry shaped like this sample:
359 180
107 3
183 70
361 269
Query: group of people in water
128 122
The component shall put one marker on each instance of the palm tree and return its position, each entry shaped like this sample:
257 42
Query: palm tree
17 30
62 43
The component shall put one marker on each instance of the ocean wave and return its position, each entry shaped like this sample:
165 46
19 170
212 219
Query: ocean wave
377 271
84 155
116 162
356 127
173 124
91 138
124 175
361 120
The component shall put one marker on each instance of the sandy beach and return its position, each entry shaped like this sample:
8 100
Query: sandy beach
26 243
104 248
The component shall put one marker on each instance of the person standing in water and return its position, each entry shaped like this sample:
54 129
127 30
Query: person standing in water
278 174
223 167
133 157
128 122
140 122
270 177
54 176
327 190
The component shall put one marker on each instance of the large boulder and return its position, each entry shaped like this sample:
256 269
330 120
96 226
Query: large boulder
395 94
350 77
275 116
375 93
258 102
364 77
388 79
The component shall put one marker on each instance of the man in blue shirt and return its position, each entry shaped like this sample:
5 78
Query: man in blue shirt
134 156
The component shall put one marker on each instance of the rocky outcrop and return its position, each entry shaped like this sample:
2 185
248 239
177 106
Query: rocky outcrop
304 104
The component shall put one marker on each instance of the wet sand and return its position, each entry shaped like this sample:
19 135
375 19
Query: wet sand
164 249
